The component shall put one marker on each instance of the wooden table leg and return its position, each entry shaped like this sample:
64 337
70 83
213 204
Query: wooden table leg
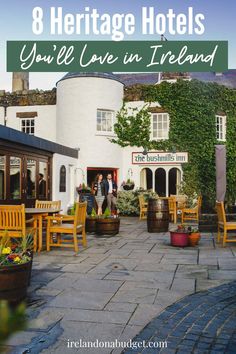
40 232
35 225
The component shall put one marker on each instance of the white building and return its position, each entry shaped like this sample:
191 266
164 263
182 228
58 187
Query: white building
74 129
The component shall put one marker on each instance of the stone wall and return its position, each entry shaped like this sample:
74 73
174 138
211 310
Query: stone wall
28 98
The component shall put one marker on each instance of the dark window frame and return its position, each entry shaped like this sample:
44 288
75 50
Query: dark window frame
62 179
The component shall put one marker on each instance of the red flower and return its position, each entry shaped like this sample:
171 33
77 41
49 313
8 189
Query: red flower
11 257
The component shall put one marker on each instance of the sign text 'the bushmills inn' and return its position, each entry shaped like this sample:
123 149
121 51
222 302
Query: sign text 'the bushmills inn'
159 158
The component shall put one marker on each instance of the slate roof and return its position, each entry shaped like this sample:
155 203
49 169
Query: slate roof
227 78
107 75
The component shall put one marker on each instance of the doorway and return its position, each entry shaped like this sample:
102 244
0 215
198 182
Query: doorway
160 182
92 172
174 180
146 179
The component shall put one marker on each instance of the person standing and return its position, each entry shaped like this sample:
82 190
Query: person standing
99 191
110 192
42 186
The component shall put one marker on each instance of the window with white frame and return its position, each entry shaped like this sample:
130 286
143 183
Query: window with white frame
221 127
105 121
160 126
28 126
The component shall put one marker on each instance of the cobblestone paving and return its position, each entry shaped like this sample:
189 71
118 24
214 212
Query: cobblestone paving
115 287
201 323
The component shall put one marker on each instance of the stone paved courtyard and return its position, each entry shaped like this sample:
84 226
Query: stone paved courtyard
115 287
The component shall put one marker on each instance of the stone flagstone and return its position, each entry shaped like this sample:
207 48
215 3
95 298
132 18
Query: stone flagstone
115 286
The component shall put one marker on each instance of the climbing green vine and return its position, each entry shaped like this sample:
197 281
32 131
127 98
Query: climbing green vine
192 106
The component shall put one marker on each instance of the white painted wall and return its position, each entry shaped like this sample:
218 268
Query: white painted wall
77 102
2 115
45 122
67 198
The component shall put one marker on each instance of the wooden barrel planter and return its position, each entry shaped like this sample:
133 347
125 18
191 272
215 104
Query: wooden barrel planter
158 215
107 226
90 225
14 280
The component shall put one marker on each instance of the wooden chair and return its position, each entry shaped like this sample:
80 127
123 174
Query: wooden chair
173 209
192 213
12 221
77 227
142 207
181 200
224 225
48 204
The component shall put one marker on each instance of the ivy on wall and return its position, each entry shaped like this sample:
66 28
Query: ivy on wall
192 106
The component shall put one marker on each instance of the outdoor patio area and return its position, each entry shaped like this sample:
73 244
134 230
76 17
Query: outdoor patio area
112 289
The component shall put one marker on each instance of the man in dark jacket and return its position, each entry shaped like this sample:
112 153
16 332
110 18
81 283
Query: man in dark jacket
110 191
42 187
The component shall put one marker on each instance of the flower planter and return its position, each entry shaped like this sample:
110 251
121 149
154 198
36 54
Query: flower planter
90 225
107 226
128 187
179 239
14 280
194 238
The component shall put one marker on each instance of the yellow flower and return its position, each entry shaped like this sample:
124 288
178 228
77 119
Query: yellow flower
17 260
6 250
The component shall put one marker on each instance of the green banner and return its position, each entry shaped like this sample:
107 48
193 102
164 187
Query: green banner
125 56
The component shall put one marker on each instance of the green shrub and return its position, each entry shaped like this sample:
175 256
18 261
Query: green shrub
128 203
11 321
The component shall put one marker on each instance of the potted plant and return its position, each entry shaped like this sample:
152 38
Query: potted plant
108 224
180 236
194 236
83 189
15 268
91 221
128 185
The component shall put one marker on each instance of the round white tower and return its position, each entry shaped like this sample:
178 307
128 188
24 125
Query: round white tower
87 104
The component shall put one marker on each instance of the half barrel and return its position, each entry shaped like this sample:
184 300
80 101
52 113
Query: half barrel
158 215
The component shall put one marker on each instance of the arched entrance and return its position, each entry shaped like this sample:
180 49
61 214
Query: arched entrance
174 180
160 182
146 179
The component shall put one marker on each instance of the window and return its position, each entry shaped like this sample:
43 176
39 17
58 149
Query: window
15 177
43 177
31 179
105 121
62 184
28 126
160 126
220 128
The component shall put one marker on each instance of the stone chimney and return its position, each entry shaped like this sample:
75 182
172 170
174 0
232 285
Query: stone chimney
20 81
